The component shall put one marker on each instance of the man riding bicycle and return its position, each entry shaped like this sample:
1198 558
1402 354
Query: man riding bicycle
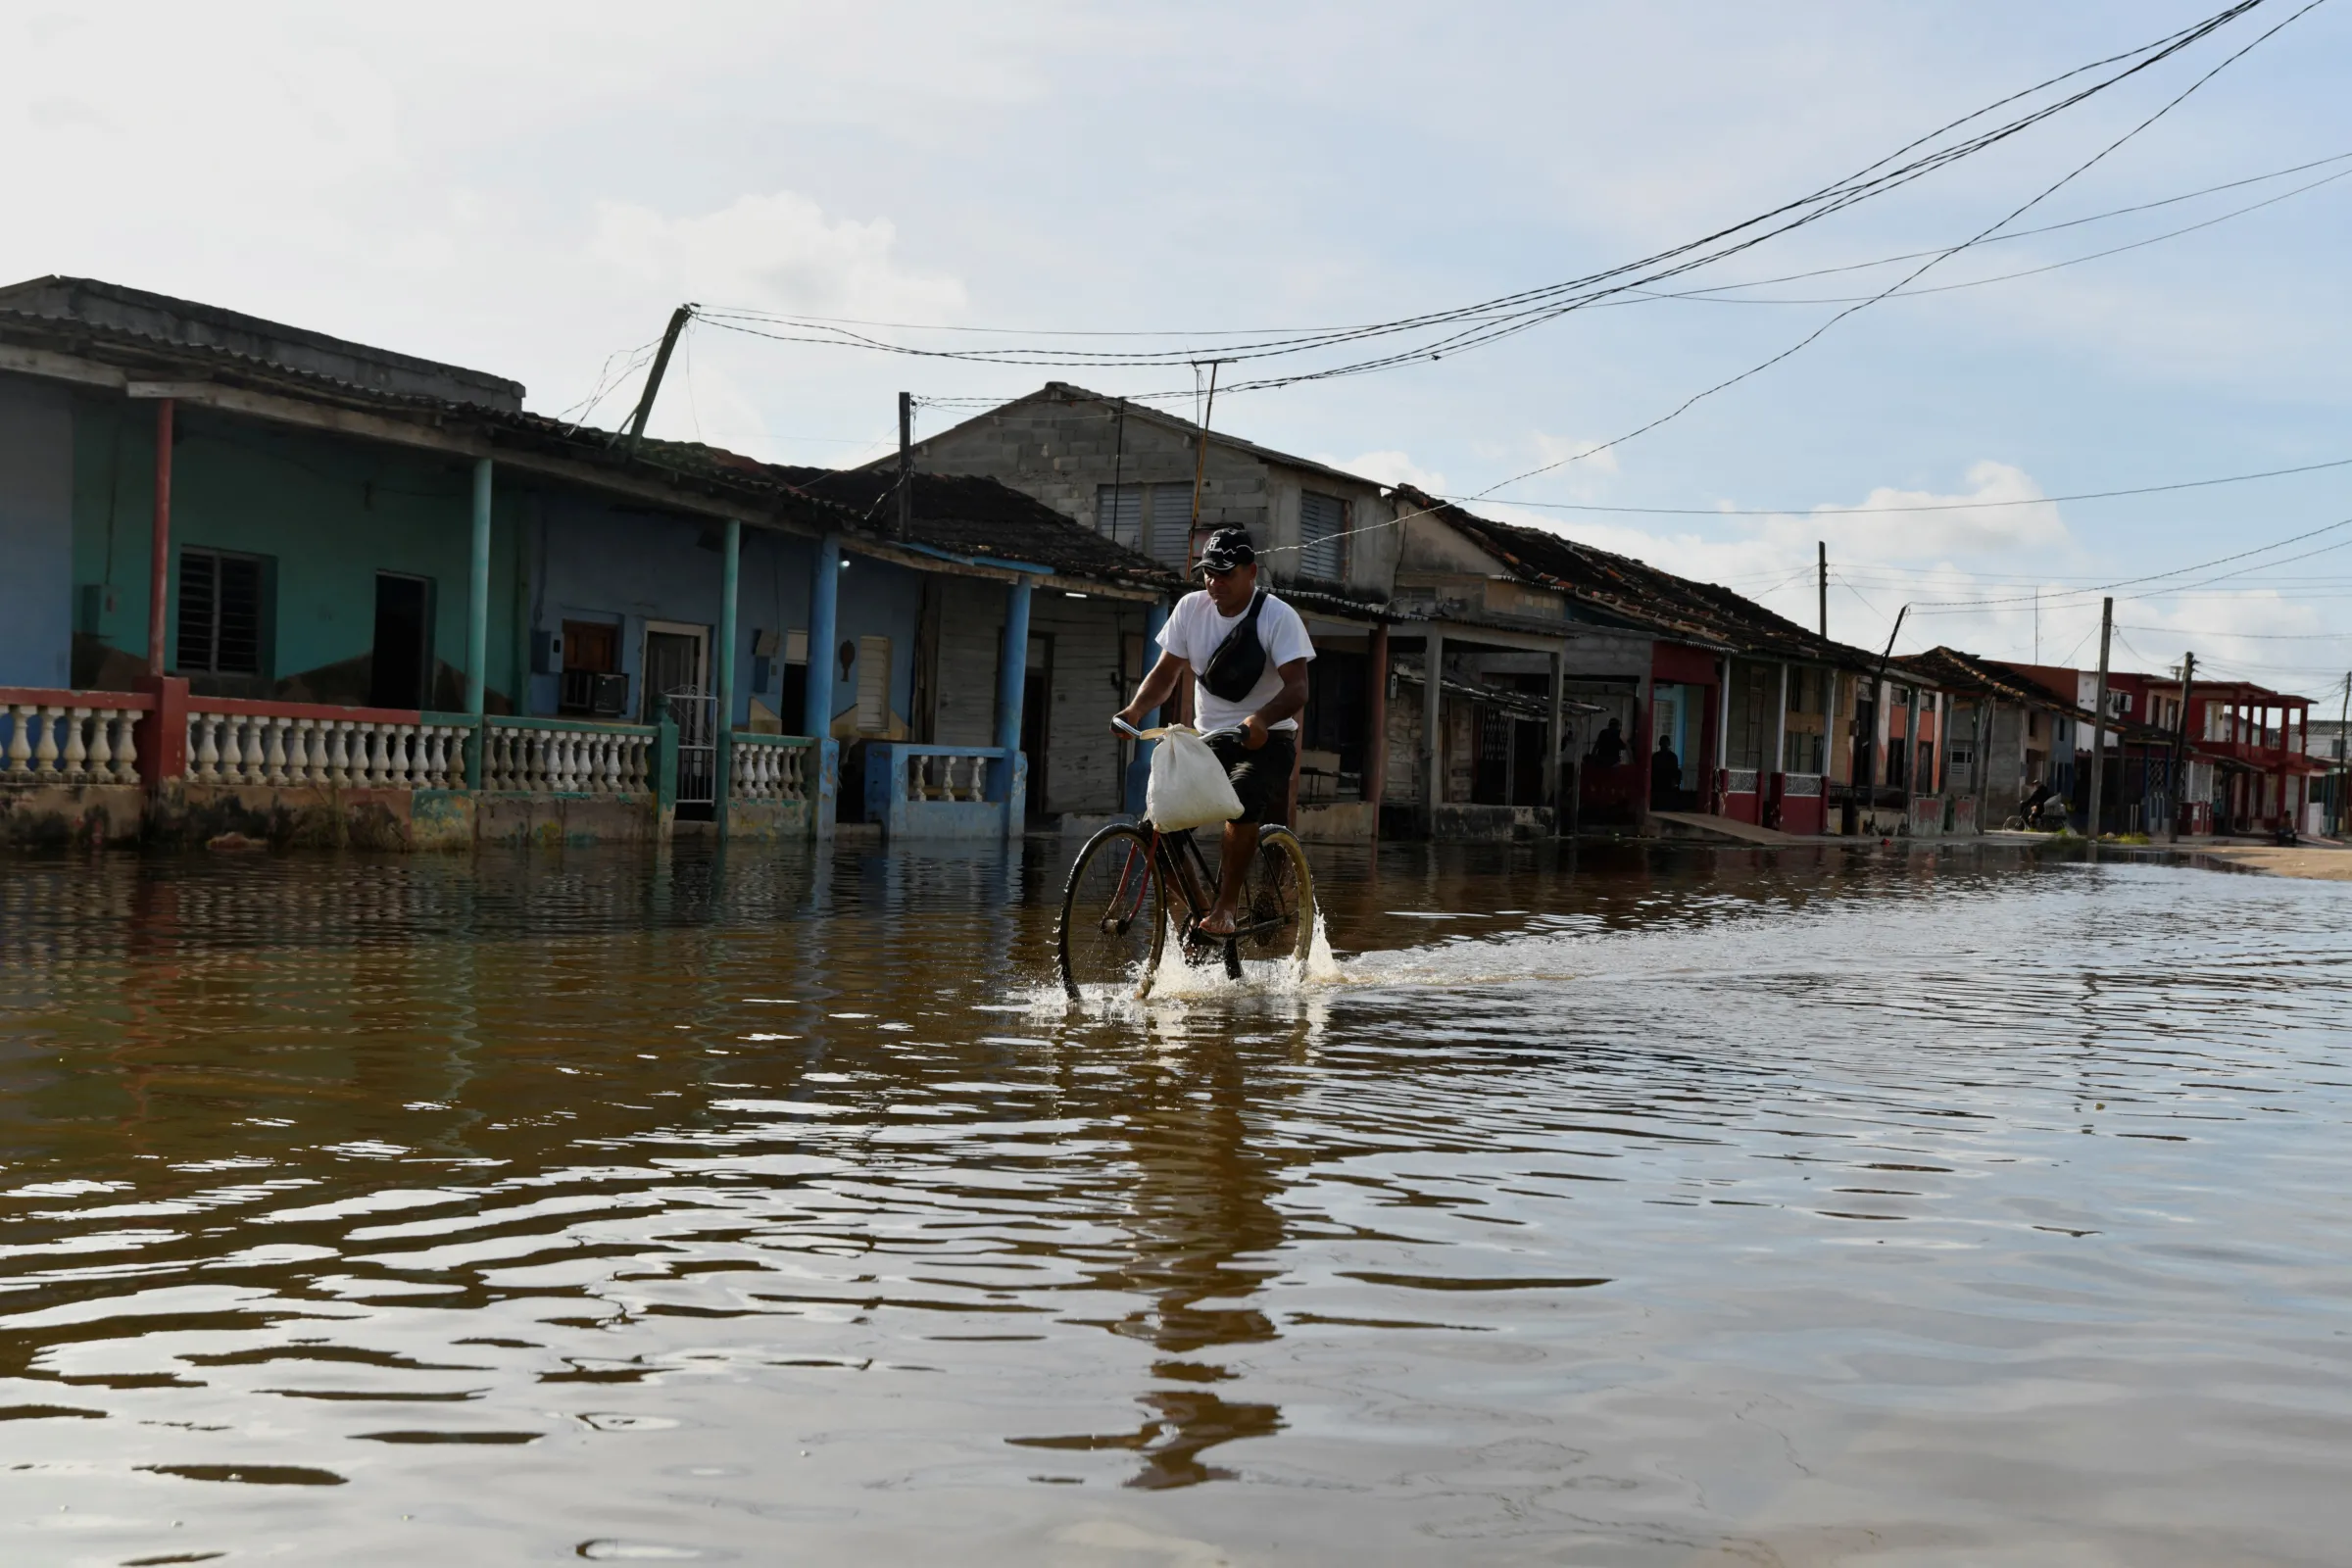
1246 651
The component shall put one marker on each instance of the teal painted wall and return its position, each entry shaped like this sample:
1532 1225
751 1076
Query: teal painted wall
329 513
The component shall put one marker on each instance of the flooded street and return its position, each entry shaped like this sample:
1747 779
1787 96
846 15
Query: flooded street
1642 1208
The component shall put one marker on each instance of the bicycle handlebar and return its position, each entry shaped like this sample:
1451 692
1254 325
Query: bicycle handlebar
1132 733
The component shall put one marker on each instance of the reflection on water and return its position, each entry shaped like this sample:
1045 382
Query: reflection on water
1647 1208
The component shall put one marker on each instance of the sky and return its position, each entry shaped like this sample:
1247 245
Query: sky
532 189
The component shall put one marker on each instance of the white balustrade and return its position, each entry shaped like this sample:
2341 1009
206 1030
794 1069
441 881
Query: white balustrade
306 751
765 769
531 761
947 775
55 743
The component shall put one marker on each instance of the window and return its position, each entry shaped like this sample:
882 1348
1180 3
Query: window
220 613
1153 518
1322 537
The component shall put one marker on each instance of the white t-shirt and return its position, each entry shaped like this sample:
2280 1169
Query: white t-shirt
1194 631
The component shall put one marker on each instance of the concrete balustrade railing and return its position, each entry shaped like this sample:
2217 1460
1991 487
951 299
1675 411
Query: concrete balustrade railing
945 791
941 773
65 737
301 746
539 757
770 767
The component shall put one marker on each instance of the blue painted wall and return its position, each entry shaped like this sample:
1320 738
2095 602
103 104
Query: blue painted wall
36 555
326 511
878 599
627 566
77 480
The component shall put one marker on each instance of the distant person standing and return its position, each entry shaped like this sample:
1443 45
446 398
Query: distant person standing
1665 776
1608 750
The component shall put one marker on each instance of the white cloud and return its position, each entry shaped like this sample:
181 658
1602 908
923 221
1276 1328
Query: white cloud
1577 453
776 252
1390 467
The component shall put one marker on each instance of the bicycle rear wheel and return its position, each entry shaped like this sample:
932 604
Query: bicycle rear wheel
1111 924
1276 918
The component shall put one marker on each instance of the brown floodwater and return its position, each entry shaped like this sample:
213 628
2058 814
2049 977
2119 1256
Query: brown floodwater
1619 1206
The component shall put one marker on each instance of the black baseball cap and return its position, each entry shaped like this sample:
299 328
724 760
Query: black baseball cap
1227 549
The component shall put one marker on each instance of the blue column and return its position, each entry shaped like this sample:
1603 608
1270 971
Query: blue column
1013 674
1139 771
730 575
477 595
824 599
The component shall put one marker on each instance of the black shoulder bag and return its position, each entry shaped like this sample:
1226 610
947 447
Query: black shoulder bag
1233 670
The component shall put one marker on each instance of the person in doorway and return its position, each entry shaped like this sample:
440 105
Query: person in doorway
1608 749
1248 653
1665 777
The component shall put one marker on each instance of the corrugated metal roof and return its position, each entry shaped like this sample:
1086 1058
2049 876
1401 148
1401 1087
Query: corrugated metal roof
980 518
189 323
1644 595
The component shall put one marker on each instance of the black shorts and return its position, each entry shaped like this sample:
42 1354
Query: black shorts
1261 778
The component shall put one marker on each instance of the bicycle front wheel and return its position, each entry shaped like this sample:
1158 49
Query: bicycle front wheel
1277 914
1111 924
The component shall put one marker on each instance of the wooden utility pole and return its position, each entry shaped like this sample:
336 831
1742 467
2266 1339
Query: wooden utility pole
1201 462
905 463
2343 711
2098 717
652 380
1821 550
2189 680
1878 684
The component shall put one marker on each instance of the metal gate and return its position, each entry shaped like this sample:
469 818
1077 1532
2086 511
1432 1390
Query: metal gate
697 716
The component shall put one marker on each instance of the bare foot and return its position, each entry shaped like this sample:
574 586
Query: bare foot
1216 923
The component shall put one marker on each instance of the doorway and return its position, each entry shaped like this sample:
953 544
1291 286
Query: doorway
1036 716
399 665
673 670
672 663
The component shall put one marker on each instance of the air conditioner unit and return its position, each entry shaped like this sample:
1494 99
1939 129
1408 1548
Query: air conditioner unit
611 698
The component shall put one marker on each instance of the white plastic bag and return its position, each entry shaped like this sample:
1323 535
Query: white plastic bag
1188 787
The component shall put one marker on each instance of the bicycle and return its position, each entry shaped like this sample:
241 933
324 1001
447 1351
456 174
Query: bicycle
1113 930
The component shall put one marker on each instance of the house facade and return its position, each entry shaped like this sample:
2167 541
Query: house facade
290 587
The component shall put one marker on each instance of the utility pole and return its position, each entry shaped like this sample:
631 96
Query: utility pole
2343 711
2188 679
2098 719
652 380
905 463
1201 462
1821 548
1877 694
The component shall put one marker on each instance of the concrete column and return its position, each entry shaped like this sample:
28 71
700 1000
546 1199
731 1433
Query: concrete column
1376 712
1723 737
1012 674
159 558
824 599
1432 731
1552 736
1780 727
1911 778
1138 770
722 735
477 595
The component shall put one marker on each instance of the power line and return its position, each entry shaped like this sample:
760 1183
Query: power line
1921 270
1489 321
1716 297
1949 606
1829 509
2249 636
1213 333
